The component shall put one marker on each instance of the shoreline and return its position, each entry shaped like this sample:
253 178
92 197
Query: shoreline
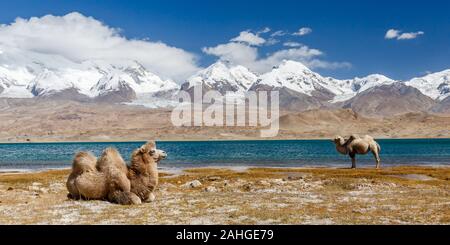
207 140
238 168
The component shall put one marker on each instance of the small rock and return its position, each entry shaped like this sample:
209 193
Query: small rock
247 187
10 189
263 183
214 178
278 181
193 184
210 189
33 188
291 178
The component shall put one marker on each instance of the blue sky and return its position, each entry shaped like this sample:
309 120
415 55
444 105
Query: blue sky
344 32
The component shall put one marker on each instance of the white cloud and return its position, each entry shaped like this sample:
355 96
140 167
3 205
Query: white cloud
410 35
238 53
302 31
265 30
244 54
292 44
391 34
272 41
78 38
249 38
278 34
397 34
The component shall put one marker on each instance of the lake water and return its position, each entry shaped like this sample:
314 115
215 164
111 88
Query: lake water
273 153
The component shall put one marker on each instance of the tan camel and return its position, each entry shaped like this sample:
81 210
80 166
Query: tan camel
357 145
109 178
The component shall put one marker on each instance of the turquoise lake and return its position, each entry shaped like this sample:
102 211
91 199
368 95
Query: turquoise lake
273 153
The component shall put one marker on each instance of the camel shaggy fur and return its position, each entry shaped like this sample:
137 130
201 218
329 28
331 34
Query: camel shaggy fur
357 145
109 178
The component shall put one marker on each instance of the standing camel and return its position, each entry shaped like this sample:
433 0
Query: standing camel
357 145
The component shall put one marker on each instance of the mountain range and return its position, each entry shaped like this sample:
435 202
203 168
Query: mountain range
300 88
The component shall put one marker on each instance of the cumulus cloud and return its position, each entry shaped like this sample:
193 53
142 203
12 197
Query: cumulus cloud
292 44
238 53
302 31
78 38
399 35
241 53
249 38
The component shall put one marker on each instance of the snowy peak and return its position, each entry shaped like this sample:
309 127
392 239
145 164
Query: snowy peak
147 82
294 76
223 77
435 85
364 83
89 78
350 87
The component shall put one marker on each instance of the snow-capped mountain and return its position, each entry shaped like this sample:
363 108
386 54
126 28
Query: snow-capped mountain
222 77
13 82
297 77
27 75
302 89
435 85
40 76
294 76
351 87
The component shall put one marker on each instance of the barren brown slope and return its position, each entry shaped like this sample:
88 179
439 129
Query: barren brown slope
443 106
47 120
327 123
390 100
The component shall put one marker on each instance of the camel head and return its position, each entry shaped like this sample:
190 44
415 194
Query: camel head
150 148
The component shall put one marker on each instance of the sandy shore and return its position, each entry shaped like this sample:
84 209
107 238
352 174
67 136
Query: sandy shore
397 195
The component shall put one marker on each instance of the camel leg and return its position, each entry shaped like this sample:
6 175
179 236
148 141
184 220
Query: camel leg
124 198
151 197
353 156
377 158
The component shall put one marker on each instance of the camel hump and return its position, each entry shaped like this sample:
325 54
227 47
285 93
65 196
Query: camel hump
111 151
111 158
351 138
83 162
112 154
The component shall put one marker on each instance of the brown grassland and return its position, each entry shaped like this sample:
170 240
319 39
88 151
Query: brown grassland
393 195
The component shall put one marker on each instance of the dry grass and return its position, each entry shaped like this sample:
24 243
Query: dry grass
397 195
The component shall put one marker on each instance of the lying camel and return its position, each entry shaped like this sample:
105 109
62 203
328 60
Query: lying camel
357 145
109 178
